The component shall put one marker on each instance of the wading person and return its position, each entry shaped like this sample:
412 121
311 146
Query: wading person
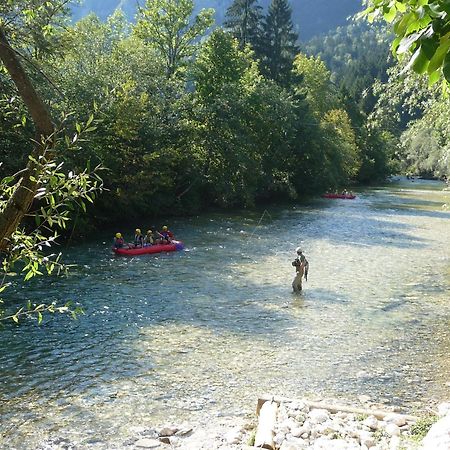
301 267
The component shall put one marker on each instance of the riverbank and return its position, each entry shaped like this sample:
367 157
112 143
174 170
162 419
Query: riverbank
287 424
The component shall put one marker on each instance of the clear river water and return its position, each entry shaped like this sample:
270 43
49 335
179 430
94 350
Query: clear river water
200 334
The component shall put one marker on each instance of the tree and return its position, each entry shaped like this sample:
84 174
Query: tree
243 20
166 26
42 181
422 30
279 42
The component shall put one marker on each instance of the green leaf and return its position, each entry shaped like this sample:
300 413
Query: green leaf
439 56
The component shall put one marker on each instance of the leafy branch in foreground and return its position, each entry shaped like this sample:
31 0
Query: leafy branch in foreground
422 29
59 196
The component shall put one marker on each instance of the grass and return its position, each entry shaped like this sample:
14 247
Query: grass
420 429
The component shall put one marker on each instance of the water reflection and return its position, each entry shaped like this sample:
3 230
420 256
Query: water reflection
202 333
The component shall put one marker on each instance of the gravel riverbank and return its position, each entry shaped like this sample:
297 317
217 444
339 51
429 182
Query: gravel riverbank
300 426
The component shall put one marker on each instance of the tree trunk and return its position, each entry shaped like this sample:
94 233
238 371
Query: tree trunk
19 204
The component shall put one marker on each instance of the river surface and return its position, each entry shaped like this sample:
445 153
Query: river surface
200 334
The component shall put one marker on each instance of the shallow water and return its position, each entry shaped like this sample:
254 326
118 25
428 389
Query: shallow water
199 334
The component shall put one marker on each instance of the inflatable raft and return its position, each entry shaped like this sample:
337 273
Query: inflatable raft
343 196
149 249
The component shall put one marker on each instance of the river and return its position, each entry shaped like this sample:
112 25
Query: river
199 334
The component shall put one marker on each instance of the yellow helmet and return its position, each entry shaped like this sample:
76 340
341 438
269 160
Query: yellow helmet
149 232
118 235
138 231
164 228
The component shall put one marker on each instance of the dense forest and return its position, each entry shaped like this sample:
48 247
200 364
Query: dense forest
173 116
310 17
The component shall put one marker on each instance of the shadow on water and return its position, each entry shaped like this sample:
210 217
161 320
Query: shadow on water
205 330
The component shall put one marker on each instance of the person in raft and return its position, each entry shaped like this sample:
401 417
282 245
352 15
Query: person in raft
301 265
149 240
166 235
138 238
118 241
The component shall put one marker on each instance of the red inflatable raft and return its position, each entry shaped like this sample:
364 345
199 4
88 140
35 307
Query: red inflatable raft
157 248
343 196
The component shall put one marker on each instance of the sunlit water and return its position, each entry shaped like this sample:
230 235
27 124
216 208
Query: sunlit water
199 334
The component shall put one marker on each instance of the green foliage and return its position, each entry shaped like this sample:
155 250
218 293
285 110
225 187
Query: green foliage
420 429
279 42
60 193
243 21
166 26
422 30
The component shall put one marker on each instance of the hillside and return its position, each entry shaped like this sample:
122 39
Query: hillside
312 17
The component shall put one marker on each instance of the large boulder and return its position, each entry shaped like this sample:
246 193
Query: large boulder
438 438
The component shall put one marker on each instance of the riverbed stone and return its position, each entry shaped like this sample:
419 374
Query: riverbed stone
147 443
444 409
392 429
438 438
371 422
319 415
167 431
397 419
366 439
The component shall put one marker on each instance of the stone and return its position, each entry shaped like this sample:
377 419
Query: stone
397 419
371 422
184 431
443 409
279 438
438 438
167 431
319 415
147 443
364 398
233 437
293 445
366 439
394 443
392 429
297 432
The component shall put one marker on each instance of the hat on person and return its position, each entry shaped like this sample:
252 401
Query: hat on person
138 231
118 235
299 250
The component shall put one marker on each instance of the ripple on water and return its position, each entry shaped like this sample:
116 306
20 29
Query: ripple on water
202 333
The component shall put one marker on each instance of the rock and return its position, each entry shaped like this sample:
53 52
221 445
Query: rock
392 429
297 432
443 409
147 443
371 422
165 440
293 445
397 419
394 443
319 415
233 437
167 431
366 439
438 438
279 438
184 431
364 398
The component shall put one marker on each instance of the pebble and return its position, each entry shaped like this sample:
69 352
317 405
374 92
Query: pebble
147 443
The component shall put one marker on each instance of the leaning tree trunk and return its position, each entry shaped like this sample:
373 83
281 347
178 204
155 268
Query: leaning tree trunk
20 202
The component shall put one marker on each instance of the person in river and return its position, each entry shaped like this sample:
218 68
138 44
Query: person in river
118 241
138 238
149 240
166 235
301 265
